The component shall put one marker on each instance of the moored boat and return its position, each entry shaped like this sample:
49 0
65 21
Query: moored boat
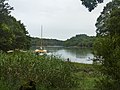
41 51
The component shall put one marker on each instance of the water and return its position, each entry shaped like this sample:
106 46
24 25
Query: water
80 55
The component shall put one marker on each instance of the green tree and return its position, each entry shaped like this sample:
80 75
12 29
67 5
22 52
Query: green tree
81 40
6 37
107 46
46 42
91 4
105 14
13 33
5 8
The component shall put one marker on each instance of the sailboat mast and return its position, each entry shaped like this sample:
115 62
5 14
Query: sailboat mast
41 35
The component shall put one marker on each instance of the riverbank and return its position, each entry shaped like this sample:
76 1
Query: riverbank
86 74
17 69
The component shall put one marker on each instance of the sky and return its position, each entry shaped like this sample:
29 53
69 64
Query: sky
61 19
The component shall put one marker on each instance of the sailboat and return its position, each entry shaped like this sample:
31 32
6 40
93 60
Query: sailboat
41 50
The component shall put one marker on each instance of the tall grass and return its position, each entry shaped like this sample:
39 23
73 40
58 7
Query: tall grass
47 72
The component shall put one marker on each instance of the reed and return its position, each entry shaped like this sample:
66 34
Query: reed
17 69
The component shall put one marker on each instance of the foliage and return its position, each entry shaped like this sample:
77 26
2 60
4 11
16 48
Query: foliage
109 49
114 23
105 14
107 46
13 34
5 8
46 42
91 4
47 72
86 75
81 40
6 40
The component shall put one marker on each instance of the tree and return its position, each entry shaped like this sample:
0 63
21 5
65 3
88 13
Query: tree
81 40
5 8
46 42
107 46
13 33
113 22
91 4
101 21
6 37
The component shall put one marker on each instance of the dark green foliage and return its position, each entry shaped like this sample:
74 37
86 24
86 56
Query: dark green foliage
81 40
101 24
6 37
86 75
113 24
5 8
46 42
107 47
91 4
13 34
30 85
48 72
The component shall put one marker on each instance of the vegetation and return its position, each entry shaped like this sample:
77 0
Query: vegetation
105 15
13 34
86 74
107 47
46 42
81 40
5 8
47 72
91 4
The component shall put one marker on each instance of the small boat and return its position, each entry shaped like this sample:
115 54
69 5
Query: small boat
41 51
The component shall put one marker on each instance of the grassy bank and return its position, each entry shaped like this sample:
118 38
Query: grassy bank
86 74
18 69
46 72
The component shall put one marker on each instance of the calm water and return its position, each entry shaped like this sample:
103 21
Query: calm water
74 54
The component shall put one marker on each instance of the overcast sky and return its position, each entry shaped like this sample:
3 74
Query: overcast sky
61 19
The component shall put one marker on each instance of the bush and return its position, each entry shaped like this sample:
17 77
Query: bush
18 69
109 49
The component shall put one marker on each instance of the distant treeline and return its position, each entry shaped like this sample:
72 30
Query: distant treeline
46 42
81 40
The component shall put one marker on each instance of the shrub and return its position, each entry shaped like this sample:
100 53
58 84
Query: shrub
17 69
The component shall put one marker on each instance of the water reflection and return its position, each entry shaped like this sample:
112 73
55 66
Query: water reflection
80 55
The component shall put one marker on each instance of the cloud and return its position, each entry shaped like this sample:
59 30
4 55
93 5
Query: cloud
61 19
